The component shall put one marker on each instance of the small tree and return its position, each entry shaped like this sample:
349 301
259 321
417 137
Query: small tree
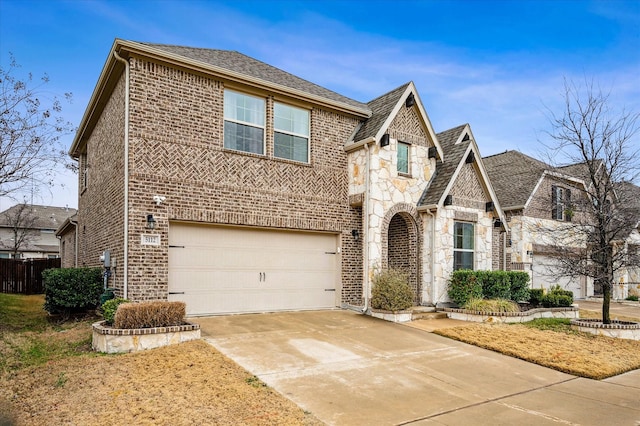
30 130
604 144
21 220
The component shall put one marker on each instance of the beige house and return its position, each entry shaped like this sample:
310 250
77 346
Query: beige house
213 178
29 231
537 200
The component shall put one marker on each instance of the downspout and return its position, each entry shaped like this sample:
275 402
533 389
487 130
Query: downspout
125 265
75 244
365 228
433 255
504 251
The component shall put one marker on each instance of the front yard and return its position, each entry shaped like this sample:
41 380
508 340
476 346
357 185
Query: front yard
552 343
49 375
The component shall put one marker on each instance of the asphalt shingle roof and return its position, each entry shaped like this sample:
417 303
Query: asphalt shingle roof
45 217
444 170
514 176
381 107
243 64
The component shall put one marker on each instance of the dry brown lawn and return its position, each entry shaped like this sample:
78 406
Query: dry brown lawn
50 376
185 384
581 354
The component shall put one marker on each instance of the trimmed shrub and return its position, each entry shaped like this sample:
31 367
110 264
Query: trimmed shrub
535 296
491 305
495 284
519 285
464 285
632 297
69 290
391 291
110 307
557 297
149 314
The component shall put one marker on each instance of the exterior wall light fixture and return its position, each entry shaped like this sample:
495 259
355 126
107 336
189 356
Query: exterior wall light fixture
355 234
151 221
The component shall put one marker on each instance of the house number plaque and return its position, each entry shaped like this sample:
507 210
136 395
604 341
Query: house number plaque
150 240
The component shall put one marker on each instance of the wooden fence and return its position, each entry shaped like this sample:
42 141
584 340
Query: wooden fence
24 276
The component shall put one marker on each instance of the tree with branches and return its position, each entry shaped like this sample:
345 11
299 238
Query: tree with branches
602 146
20 220
31 126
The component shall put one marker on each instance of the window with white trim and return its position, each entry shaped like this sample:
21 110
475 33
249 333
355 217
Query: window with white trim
463 245
244 122
403 158
290 132
561 208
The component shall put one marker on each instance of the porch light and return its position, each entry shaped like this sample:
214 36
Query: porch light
355 234
151 221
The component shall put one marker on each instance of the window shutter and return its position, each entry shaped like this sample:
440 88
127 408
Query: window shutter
554 202
567 204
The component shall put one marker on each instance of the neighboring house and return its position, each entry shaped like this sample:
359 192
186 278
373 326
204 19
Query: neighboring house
627 279
224 182
537 200
68 236
28 231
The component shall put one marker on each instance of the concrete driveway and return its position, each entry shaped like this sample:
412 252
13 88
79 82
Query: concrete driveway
347 368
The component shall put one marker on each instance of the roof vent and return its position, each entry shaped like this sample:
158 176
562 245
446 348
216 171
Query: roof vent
489 207
466 137
384 140
448 200
410 101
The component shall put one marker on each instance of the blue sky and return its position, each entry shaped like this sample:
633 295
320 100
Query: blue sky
496 65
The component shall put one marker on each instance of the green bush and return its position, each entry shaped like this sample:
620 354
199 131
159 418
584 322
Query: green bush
69 290
557 297
491 305
519 285
464 285
495 284
391 291
467 284
632 297
110 307
535 296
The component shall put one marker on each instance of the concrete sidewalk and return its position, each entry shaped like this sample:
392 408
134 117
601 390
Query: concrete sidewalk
347 368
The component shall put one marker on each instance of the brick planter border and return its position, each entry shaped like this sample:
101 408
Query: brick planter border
117 340
512 317
619 329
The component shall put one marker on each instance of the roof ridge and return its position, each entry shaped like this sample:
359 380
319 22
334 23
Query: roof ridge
389 92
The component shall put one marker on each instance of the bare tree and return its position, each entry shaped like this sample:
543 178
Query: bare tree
21 220
603 146
30 130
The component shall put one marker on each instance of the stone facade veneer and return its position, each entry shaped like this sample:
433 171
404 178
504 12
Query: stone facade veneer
117 340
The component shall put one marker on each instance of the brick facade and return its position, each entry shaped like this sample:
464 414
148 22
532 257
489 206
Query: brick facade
176 150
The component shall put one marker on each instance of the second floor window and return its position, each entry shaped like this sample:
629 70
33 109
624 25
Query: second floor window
561 204
403 158
291 132
244 118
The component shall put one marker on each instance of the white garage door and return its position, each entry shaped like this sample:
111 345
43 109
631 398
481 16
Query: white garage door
546 274
217 269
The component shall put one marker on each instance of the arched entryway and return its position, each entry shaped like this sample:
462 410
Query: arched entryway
401 246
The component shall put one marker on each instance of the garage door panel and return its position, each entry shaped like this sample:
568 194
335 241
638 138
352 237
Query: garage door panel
231 270
546 273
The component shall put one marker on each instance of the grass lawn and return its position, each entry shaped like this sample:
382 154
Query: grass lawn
49 375
552 343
